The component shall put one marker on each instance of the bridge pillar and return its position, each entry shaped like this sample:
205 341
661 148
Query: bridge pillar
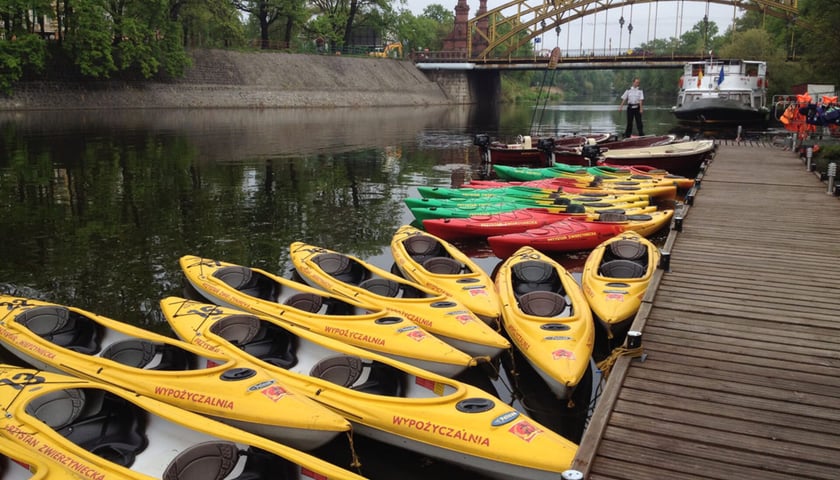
466 87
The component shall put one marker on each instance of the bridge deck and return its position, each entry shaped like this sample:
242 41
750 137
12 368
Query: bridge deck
742 336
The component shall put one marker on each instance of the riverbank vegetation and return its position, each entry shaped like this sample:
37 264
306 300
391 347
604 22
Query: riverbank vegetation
77 40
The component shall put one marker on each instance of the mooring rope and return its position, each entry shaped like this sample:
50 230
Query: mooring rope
606 364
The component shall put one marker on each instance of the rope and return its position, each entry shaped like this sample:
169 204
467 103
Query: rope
539 97
606 364
354 457
513 373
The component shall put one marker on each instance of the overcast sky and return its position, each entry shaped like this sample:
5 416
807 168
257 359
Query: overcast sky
646 27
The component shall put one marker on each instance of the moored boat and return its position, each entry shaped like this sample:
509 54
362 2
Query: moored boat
440 266
391 401
351 277
67 339
483 226
615 277
723 92
80 428
258 291
547 318
575 155
578 233
593 205
530 151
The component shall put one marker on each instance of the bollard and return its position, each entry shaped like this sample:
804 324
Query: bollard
678 221
665 261
809 155
832 174
571 475
634 339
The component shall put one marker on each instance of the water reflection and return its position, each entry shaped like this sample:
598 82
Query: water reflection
99 205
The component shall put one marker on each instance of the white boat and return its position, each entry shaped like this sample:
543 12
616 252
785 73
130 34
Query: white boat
723 92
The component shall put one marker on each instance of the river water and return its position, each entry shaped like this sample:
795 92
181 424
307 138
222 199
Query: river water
98 205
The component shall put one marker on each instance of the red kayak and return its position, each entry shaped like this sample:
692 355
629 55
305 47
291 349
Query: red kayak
578 233
483 226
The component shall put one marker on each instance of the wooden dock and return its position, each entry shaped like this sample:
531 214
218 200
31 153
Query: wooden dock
741 375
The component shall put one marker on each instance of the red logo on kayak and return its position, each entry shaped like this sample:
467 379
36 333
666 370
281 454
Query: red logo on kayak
524 430
274 392
417 334
562 353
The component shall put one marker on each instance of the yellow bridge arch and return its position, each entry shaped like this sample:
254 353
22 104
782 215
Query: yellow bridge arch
493 30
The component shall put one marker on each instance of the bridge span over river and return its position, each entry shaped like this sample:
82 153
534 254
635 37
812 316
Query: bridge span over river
492 41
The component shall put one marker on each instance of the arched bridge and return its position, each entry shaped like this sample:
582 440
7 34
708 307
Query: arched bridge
497 34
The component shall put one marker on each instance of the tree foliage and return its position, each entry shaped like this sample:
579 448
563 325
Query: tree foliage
103 39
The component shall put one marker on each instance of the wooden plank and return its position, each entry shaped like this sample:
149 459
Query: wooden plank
741 336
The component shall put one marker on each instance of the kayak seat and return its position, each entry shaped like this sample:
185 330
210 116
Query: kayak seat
273 345
249 282
63 327
442 265
627 249
535 275
57 408
237 329
148 355
622 268
115 432
422 247
612 217
133 353
542 304
341 267
308 302
261 465
343 370
349 372
212 460
381 286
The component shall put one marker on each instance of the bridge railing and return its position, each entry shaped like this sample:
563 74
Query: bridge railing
576 56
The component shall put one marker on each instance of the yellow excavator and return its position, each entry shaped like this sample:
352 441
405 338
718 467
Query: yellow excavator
394 48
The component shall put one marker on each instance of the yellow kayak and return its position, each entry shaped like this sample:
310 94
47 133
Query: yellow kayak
77 428
352 277
442 267
58 338
22 463
547 317
346 319
387 400
615 277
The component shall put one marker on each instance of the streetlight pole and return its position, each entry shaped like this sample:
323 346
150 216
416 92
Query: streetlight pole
620 32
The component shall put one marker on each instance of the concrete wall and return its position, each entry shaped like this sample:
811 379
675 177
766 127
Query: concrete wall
466 87
226 79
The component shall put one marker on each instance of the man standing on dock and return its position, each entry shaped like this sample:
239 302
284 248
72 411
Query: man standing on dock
635 98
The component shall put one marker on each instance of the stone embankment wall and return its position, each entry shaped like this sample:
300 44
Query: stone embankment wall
226 79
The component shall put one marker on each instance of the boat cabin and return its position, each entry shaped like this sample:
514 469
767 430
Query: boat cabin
740 81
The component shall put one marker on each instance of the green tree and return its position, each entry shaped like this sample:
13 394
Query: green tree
89 37
26 52
820 45
212 23
264 13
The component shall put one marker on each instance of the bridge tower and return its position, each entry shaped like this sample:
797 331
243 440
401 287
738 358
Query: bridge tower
456 41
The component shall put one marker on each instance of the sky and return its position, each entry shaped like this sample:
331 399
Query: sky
644 15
